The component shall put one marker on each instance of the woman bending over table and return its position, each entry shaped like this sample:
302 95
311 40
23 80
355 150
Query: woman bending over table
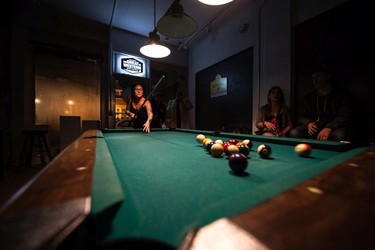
139 109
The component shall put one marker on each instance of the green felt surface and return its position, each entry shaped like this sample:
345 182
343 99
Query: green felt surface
105 172
171 184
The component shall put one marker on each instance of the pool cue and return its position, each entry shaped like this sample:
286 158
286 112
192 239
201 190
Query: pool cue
147 98
153 90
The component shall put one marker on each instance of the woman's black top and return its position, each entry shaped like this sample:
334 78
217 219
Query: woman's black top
141 116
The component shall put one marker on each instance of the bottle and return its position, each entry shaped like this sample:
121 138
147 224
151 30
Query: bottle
317 121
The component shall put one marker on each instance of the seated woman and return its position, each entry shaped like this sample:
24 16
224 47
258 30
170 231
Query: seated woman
274 118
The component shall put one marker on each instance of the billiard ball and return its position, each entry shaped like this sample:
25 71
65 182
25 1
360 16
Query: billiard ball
225 146
238 163
209 145
303 149
249 143
244 149
217 150
246 141
232 149
200 138
219 141
264 151
205 141
233 141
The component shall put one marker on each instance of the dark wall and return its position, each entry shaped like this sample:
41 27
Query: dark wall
340 40
233 110
5 60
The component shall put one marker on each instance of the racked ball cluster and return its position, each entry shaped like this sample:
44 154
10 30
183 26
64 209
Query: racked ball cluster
235 151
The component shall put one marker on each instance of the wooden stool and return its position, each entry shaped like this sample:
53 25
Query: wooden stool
28 147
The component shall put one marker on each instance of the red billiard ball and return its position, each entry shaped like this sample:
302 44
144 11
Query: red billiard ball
238 163
233 141
264 151
225 146
244 149
303 149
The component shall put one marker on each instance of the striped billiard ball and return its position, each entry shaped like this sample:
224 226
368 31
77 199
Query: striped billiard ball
264 151
303 149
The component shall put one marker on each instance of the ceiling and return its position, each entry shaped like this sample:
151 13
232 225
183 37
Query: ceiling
137 16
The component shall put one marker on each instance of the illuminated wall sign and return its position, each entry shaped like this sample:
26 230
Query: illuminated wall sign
130 65
219 86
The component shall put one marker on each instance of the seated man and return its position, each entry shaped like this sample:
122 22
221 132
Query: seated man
326 112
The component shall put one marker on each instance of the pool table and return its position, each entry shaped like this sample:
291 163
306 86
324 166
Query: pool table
163 190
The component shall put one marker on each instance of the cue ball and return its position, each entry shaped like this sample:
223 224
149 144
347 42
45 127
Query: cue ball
303 149
238 163
264 151
217 150
200 138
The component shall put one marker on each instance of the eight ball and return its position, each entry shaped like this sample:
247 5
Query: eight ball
238 163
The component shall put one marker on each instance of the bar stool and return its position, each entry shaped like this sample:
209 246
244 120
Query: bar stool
28 147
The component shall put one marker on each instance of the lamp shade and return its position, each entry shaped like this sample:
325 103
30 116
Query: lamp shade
215 2
176 24
153 48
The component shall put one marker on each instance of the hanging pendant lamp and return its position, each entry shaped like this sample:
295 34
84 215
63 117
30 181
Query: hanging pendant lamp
153 48
215 2
175 24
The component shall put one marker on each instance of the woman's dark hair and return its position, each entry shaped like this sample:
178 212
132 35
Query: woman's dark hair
132 87
282 98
